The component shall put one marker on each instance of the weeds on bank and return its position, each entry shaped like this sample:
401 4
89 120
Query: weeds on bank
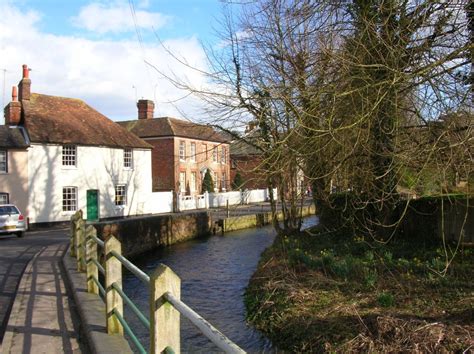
325 292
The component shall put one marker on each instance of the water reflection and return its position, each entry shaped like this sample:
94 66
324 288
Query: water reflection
214 273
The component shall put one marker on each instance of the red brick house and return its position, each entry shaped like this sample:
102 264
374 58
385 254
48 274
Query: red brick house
182 151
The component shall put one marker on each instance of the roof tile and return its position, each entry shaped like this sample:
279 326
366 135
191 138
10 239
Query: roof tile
61 120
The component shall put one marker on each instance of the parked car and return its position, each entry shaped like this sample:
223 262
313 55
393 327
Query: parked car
12 221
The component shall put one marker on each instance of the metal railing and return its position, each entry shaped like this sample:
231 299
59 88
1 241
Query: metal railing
163 322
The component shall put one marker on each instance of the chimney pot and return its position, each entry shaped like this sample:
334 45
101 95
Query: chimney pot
14 94
26 71
24 87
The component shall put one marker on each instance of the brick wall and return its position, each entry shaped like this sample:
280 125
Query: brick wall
166 164
162 162
249 168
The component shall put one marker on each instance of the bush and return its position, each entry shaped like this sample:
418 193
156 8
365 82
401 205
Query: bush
238 182
207 183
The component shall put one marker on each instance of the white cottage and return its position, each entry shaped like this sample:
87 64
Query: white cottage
59 155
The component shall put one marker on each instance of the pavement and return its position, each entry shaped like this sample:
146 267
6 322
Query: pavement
36 309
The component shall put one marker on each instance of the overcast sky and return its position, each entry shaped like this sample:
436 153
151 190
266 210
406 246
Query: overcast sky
91 50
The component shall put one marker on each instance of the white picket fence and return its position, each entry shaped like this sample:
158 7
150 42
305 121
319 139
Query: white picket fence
218 200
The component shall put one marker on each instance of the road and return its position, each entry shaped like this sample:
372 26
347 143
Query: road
15 253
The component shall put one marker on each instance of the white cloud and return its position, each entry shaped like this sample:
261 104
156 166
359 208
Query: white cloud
117 18
101 72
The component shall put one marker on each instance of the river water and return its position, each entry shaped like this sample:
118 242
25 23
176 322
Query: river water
214 273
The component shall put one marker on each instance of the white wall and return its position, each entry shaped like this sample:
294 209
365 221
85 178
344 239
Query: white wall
245 197
158 202
98 168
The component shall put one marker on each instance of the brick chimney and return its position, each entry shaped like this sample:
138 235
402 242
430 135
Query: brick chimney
12 110
24 87
145 109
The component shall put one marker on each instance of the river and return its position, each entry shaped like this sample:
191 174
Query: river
214 273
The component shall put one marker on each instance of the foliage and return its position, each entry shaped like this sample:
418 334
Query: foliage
338 292
238 181
207 183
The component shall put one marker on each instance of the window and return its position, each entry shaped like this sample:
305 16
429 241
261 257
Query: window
223 155
69 199
3 198
128 158
3 161
69 155
223 182
216 181
204 150
193 181
182 150
214 154
193 152
120 194
182 182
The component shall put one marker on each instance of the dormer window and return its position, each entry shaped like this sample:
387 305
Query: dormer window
70 155
127 159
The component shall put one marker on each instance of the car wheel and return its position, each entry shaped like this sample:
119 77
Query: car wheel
20 234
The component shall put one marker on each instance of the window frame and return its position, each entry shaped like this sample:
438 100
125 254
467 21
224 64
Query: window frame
182 150
215 178
192 152
182 186
5 152
215 154
128 160
223 181
72 207
68 156
193 181
120 203
4 194
223 155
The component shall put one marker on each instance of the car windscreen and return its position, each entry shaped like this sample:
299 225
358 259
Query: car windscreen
8 210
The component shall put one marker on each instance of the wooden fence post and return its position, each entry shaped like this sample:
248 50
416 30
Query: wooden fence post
80 243
164 318
113 274
91 255
72 248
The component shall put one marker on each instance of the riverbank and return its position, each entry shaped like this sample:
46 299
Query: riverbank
318 292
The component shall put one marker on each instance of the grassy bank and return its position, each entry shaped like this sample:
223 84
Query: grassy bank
320 292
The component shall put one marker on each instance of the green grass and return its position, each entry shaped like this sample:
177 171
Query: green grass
333 292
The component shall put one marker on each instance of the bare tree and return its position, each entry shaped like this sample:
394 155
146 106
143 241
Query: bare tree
342 91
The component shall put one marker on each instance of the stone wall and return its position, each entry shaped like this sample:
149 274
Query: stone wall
423 218
142 234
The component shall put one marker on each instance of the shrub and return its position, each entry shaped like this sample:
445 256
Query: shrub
386 299
207 183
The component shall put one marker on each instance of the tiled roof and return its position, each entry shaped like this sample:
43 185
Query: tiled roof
242 147
60 120
161 127
12 137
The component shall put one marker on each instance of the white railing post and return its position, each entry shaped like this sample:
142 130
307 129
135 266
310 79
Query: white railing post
206 199
164 318
113 274
92 271
80 240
